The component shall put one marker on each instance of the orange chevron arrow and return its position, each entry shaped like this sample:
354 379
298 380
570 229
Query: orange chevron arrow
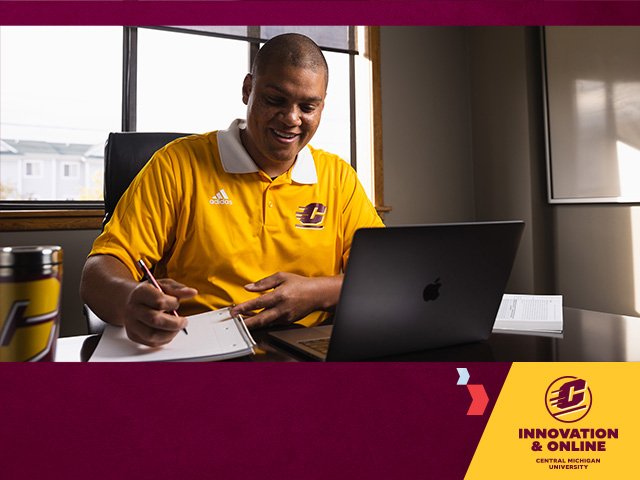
479 399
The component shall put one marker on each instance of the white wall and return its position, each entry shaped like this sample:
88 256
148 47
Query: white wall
508 140
588 253
597 260
446 155
426 125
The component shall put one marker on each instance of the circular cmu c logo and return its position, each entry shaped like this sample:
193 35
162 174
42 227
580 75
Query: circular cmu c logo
568 399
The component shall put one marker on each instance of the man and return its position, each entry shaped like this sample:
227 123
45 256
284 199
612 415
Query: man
251 215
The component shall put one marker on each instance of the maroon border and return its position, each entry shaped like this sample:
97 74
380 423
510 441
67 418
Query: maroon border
241 420
327 12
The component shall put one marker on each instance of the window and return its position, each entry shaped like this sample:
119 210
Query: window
33 169
199 96
189 83
60 93
70 170
334 133
102 79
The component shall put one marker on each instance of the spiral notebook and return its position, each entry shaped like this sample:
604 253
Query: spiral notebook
214 335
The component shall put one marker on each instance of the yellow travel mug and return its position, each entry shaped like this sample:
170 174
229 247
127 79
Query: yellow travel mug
30 286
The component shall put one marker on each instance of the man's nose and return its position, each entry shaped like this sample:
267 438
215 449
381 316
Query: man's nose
291 116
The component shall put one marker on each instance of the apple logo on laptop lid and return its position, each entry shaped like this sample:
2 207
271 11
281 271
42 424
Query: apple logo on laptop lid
432 291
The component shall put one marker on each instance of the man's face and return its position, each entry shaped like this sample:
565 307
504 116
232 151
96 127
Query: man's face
284 106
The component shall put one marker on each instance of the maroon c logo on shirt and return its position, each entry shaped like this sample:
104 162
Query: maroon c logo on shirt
311 216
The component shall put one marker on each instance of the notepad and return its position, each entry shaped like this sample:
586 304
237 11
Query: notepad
214 335
530 313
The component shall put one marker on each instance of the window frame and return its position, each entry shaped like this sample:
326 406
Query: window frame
73 215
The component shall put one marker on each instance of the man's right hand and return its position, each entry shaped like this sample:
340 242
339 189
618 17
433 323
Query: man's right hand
117 298
148 312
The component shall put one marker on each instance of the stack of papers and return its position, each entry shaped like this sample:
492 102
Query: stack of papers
530 313
214 335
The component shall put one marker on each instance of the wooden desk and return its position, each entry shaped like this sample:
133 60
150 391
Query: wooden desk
588 336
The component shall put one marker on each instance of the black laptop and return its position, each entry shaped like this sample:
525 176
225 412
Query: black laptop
413 288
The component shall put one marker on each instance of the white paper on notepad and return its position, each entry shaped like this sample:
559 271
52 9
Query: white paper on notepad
531 313
212 335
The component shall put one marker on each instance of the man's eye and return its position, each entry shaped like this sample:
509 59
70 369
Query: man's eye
307 108
274 100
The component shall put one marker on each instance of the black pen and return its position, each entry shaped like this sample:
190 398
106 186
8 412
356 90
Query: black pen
147 273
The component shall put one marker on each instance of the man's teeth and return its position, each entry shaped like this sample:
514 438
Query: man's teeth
284 135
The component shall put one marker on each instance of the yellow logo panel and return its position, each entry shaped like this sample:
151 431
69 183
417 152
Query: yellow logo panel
561 420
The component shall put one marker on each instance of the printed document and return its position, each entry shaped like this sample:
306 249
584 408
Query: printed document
530 313
214 335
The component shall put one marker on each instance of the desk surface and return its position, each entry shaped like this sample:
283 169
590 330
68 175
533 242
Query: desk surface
588 336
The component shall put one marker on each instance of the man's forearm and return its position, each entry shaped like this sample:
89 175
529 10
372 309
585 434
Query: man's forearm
105 287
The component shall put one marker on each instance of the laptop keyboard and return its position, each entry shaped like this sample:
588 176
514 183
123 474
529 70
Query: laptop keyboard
320 345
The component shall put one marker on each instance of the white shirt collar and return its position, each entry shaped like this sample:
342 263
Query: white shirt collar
235 159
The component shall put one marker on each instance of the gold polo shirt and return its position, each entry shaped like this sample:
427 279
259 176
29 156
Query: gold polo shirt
206 215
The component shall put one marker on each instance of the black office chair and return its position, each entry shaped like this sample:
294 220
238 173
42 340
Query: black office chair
125 153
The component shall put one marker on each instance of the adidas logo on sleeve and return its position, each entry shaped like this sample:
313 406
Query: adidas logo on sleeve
220 198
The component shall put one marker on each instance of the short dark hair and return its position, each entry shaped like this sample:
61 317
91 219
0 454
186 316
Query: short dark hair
292 49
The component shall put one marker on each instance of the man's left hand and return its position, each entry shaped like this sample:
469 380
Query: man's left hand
287 297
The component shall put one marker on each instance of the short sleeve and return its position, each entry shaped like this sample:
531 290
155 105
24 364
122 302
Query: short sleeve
143 223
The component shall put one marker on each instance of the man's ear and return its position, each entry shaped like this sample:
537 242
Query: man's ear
247 86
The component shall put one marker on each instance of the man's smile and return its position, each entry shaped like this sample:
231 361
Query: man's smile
283 136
